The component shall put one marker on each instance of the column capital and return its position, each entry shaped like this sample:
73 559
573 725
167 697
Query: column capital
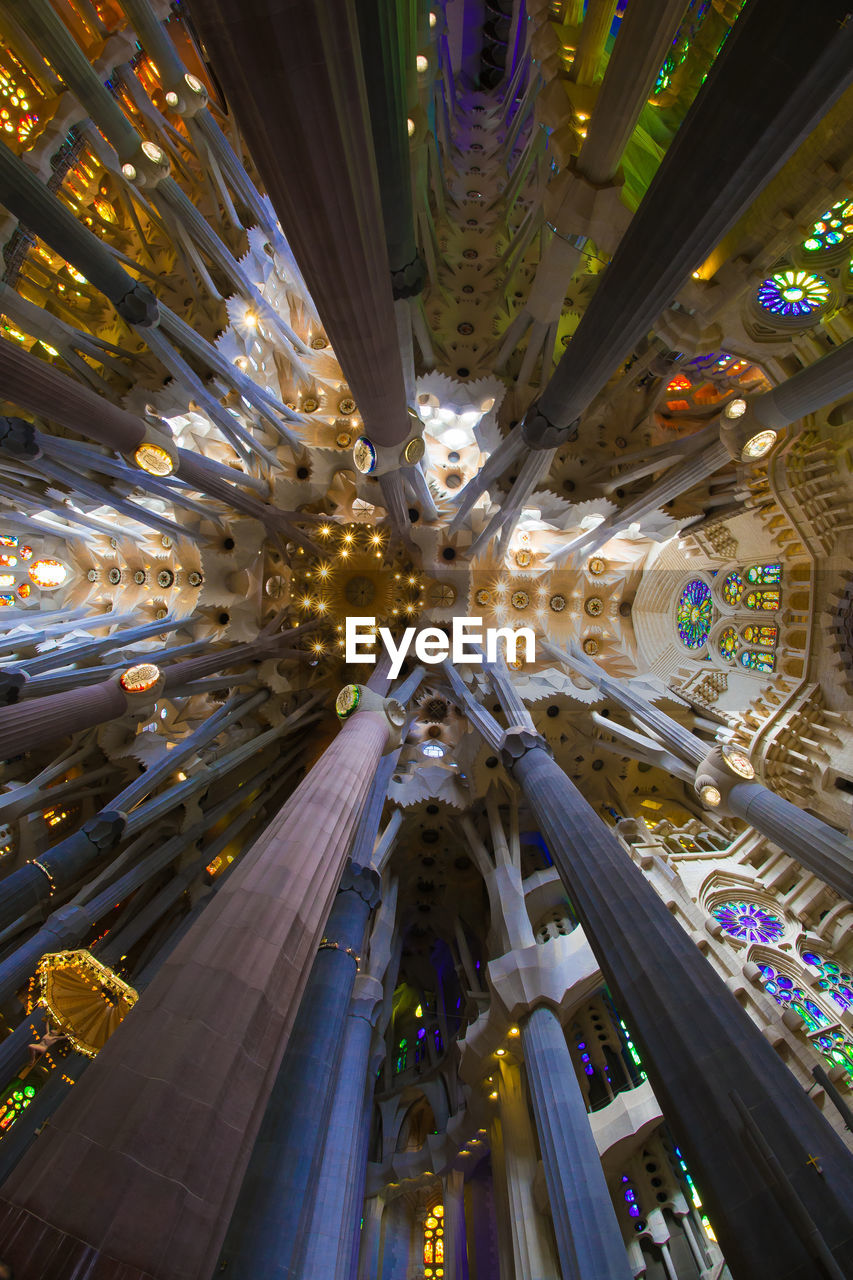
365 881
539 432
408 281
138 306
516 743
18 437
354 698
723 767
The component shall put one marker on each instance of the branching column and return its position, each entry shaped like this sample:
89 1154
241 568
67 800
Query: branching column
701 1048
163 1125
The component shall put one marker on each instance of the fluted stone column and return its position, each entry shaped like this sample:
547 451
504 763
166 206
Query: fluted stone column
644 37
294 68
589 1240
593 37
368 1260
699 1046
820 384
455 1236
37 208
330 1237
37 721
167 1116
813 843
533 1255
816 845
264 1236
777 74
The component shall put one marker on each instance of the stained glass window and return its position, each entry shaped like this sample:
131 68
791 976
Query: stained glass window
783 991
758 660
793 293
8 540
728 643
6 599
764 575
434 1240
733 588
764 600
402 1055
760 633
633 1203
8 562
17 1098
837 1048
837 982
832 228
748 921
695 613
48 574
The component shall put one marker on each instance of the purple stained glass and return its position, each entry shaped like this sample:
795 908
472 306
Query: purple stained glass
748 921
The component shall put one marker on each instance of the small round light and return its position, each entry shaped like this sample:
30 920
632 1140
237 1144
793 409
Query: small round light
364 455
140 678
410 127
154 459
738 761
493 1095
514 1031
499 1053
172 98
347 701
735 408
432 18
710 795
129 171
759 445
193 82
152 152
422 62
414 451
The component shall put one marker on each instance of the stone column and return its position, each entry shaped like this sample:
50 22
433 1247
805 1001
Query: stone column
165 1121
40 211
267 1232
822 383
368 1258
532 1252
699 1046
589 1240
775 77
593 37
645 34
455 1236
332 1233
35 722
813 843
294 67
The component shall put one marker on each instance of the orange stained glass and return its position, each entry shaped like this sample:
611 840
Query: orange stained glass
48 573
677 406
428 1253
708 394
679 383
439 1249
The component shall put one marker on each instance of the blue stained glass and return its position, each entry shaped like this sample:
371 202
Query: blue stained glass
783 991
694 614
748 921
835 981
793 293
758 660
